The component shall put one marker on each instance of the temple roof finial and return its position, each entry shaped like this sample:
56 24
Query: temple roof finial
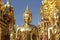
8 3
27 8
27 11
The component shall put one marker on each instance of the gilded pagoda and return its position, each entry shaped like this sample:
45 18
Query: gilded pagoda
7 21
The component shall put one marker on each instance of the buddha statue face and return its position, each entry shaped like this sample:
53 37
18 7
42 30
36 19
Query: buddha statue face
27 18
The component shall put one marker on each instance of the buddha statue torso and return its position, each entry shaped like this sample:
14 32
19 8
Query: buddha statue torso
26 32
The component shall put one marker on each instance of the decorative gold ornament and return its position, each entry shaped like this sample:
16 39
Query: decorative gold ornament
50 11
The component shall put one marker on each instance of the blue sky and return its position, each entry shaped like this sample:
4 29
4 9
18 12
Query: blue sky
20 6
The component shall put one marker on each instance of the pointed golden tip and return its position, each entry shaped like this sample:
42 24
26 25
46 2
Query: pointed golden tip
27 11
8 3
27 8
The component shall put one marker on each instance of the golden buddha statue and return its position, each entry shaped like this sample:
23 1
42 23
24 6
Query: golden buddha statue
27 31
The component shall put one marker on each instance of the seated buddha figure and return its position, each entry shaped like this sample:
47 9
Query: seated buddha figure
27 31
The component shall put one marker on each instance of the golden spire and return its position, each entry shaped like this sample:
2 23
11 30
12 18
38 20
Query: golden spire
8 3
27 16
27 10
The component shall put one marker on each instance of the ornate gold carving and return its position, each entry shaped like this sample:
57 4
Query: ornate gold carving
49 12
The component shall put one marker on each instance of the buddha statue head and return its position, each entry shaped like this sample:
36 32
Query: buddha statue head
27 16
